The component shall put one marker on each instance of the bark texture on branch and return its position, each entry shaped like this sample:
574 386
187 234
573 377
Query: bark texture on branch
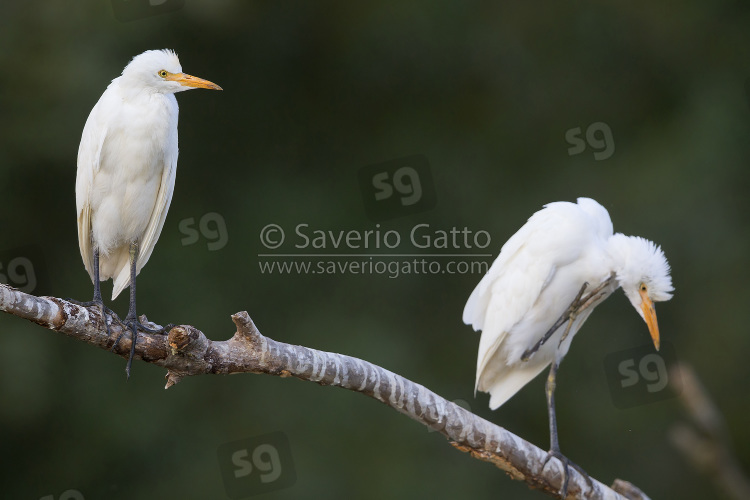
186 351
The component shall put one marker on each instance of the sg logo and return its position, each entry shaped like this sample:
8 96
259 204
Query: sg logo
598 136
265 458
641 375
651 368
406 182
18 273
256 465
212 227
397 187
23 268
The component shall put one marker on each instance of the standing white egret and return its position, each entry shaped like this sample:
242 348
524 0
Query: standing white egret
531 302
127 161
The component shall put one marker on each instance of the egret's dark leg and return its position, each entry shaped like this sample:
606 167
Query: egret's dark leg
550 390
554 450
560 322
131 320
579 304
97 283
97 300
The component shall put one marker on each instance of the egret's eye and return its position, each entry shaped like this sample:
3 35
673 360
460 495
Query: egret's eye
163 73
643 287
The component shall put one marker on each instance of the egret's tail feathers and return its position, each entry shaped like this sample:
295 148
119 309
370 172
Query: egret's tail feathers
84 240
504 382
118 268
474 309
121 282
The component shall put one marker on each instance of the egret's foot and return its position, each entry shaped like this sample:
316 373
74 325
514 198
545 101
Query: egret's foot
567 463
133 324
95 302
167 328
164 330
105 311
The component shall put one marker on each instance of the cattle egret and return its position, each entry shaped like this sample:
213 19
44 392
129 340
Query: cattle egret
127 161
531 302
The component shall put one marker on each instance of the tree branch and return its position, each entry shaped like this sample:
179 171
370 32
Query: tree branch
186 351
706 442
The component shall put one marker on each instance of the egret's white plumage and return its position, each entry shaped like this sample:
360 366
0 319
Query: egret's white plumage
536 277
127 161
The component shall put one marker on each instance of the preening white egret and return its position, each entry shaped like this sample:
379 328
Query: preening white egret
531 302
127 161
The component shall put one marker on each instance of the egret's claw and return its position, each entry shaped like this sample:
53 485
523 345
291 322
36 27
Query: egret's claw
566 464
164 330
104 310
133 324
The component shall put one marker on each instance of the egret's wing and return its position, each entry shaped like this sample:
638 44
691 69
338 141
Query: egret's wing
163 200
526 265
89 155
476 307
599 216
156 223
503 381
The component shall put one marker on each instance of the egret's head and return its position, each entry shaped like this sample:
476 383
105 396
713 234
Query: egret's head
160 71
643 273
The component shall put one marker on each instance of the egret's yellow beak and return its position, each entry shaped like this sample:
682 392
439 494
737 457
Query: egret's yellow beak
191 81
649 314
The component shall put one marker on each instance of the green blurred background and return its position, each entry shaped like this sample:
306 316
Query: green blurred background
314 92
